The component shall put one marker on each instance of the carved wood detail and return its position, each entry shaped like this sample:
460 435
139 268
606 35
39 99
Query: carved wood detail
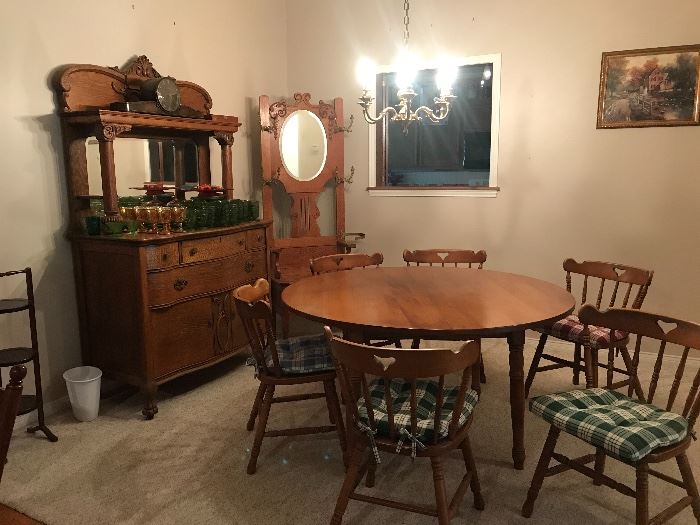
304 215
110 131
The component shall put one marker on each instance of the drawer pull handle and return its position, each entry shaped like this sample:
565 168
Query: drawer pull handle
165 257
260 238
249 266
193 252
180 284
241 242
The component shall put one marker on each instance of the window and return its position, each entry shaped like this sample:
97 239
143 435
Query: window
457 156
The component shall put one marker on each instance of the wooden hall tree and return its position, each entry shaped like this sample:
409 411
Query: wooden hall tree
302 146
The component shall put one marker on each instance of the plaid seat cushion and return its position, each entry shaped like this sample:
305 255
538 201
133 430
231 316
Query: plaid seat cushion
426 399
625 428
302 355
571 329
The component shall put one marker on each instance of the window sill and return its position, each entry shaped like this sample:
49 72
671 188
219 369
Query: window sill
433 191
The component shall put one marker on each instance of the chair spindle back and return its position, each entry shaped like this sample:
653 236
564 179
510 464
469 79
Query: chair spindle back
665 331
344 261
447 256
253 307
370 363
629 277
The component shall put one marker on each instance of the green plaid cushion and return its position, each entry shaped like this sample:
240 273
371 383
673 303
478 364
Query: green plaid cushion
426 399
302 355
625 428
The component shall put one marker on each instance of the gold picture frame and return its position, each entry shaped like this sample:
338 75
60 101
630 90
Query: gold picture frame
650 87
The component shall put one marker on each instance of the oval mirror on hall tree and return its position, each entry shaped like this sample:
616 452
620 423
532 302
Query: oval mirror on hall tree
303 145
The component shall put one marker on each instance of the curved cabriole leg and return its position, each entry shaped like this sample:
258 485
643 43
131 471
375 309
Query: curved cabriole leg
440 492
350 481
540 471
689 482
256 407
260 429
471 466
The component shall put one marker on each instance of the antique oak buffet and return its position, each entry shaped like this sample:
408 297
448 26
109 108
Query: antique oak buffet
152 307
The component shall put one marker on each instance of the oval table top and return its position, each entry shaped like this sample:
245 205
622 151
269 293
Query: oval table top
429 300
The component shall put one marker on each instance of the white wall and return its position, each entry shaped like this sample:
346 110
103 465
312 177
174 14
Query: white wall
568 190
227 46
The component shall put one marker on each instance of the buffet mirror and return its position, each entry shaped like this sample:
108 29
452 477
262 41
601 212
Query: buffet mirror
172 161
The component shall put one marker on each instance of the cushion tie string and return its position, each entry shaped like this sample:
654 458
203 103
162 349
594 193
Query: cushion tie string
415 442
370 435
251 361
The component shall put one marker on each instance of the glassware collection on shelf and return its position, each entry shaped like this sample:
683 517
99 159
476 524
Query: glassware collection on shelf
163 214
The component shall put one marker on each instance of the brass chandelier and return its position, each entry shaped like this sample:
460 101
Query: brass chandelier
405 75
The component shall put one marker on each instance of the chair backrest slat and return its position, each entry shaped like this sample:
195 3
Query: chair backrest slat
657 371
677 379
344 261
638 278
253 307
443 256
666 331
416 367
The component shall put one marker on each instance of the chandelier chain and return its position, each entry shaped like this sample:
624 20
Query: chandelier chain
406 20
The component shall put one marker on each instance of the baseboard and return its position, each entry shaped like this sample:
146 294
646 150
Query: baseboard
50 408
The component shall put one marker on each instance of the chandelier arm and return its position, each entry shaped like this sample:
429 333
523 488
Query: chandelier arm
430 114
388 111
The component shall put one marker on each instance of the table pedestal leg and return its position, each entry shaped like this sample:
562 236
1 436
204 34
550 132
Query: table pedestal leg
516 343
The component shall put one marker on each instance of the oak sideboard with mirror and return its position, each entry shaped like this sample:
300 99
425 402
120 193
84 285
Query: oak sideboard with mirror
152 305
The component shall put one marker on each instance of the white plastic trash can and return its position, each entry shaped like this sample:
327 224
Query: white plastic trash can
83 384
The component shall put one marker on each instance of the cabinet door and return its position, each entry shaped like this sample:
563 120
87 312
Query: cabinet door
229 334
183 335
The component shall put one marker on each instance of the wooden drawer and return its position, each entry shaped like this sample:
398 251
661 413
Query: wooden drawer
177 284
255 239
162 256
212 247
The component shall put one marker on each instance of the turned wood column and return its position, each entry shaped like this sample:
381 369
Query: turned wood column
225 140
106 134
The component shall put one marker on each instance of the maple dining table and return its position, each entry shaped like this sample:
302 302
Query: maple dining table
436 303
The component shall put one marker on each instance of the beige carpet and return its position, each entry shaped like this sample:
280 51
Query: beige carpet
188 465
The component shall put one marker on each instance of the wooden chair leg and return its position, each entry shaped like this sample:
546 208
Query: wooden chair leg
535 363
482 370
540 471
690 486
260 429
642 500
355 463
335 416
577 364
443 510
371 472
599 466
256 407
415 343
471 466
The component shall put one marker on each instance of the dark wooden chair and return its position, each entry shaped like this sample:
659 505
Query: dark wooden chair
627 289
399 402
24 354
633 431
294 361
349 261
9 404
447 257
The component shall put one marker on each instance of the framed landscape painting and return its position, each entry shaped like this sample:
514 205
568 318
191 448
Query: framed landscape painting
649 87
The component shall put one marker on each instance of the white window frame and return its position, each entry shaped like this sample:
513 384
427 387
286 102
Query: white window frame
493 189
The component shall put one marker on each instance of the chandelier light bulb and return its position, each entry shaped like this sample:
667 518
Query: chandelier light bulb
406 69
365 70
445 78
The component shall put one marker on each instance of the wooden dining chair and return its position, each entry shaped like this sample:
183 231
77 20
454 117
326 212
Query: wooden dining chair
294 361
451 257
639 431
616 285
349 261
401 403
9 404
